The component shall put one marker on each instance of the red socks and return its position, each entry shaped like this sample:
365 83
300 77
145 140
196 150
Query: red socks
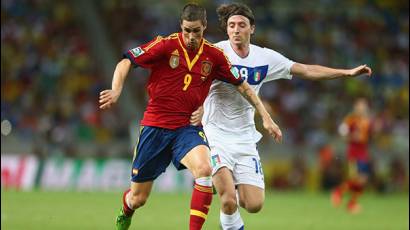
200 204
355 187
127 210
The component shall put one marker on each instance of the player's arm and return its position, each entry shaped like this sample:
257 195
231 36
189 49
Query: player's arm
110 96
249 94
347 131
145 56
318 72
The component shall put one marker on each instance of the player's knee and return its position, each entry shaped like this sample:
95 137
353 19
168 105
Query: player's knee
229 205
203 170
254 208
137 201
251 207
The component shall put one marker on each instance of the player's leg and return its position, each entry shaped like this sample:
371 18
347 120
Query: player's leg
224 184
151 157
133 198
336 196
357 186
347 185
190 150
223 163
250 183
251 197
197 161
356 190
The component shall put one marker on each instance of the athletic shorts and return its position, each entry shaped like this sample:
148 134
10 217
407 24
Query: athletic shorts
357 167
241 159
157 147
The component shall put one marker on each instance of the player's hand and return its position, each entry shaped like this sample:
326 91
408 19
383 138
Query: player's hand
363 69
273 129
196 116
108 98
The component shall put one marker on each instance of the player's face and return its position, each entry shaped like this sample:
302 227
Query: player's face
361 107
239 30
192 32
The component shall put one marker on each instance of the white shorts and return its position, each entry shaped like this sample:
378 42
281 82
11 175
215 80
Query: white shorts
242 159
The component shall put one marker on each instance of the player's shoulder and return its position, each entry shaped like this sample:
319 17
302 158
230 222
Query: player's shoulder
267 53
213 48
166 41
170 39
222 44
263 50
350 118
171 36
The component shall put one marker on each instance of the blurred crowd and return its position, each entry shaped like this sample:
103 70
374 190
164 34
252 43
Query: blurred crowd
50 81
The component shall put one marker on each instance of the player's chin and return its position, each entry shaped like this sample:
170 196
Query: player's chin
192 46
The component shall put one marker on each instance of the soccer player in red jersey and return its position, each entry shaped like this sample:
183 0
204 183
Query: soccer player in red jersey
183 66
356 128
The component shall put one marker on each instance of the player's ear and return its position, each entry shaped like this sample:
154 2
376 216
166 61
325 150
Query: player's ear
252 29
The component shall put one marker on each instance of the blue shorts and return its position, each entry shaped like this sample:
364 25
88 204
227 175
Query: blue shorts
363 167
157 147
357 167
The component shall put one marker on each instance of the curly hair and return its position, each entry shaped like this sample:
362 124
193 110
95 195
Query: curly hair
225 11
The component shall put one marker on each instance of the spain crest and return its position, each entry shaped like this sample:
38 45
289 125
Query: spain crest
174 59
206 68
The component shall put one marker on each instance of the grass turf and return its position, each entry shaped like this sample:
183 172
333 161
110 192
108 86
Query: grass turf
284 211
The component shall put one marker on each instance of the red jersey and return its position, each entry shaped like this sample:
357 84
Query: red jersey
180 79
359 134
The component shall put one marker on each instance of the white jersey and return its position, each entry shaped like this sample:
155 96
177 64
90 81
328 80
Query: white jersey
228 117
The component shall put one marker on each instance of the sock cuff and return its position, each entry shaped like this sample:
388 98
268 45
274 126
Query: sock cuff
205 189
232 215
125 200
231 219
204 181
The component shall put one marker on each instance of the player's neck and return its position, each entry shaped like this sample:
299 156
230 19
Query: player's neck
242 50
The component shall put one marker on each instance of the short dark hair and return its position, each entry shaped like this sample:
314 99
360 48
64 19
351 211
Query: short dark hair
193 12
225 11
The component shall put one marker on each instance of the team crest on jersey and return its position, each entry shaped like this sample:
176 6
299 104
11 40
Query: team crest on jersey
174 59
137 52
206 69
257 76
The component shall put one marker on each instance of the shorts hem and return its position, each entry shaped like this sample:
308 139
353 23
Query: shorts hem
216 169
142 180
181 166
250 183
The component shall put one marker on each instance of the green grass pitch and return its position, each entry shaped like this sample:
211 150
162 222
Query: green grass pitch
283 211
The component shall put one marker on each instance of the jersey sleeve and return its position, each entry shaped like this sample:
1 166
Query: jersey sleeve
226 72
147 54
279 66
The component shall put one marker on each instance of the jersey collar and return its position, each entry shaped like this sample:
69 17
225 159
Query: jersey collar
187 59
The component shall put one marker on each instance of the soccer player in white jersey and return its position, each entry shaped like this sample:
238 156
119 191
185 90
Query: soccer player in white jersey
229 120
